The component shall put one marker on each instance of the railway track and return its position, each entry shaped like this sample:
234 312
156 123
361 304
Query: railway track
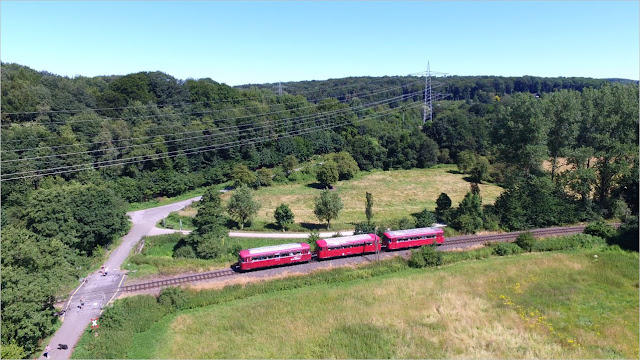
475 239
179 280
458 240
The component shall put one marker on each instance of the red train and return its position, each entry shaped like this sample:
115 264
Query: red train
269 256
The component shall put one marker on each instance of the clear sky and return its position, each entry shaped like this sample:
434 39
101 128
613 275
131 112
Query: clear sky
257 42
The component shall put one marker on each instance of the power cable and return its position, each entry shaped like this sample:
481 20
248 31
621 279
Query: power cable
234 128
214 121
198 150
184 103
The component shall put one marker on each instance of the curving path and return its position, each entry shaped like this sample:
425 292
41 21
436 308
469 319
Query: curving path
98 290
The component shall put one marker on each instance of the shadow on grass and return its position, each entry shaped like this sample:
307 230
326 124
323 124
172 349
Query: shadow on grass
317 186
455 172
313 226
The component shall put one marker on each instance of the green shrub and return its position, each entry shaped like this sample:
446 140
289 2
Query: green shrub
426 256
279 177
457 256
503 249
570 242
627 236
425 218
405 223
365 228
600 229
526 241
185 251
416 260
12 351
173 297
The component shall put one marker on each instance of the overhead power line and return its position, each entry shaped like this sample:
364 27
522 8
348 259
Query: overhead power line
155 135
183 103
235 130
103 119
152 157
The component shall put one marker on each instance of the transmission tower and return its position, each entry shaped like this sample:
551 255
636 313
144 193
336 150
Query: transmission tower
427 97
279 88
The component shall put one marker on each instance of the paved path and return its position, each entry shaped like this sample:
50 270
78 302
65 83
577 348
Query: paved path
98 290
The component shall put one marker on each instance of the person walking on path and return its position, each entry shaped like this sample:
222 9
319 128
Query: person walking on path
46 351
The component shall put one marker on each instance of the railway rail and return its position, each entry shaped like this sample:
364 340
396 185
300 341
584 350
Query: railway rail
179 280
458 240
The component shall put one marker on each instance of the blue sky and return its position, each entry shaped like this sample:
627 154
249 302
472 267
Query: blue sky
258 42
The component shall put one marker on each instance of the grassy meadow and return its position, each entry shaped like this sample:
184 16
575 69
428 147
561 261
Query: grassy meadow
396 194
541 305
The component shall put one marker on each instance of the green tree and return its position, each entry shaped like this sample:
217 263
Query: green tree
425 218
368 208
242 207
327 174
82 216
289 164
534 202
327 206
466 161
211 245
468 216
33 269
345 164
12 351
563 110
210 212
480 170
284 216
264 177
241 175
520 133
443 204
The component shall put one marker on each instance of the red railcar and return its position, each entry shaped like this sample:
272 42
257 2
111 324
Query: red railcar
274 255
413 237
347 245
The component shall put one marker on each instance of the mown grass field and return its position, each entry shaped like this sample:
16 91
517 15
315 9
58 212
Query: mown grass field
541 305
156 256
396 194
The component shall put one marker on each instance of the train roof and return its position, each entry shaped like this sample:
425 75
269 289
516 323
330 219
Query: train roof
274 249
413 232
345 240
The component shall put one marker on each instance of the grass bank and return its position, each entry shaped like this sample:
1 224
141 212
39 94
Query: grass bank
566 304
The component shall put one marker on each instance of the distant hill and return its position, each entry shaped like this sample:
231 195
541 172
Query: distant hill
479 88
622 81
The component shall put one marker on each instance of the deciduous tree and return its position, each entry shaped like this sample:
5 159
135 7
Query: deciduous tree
242 207
327 206
284 216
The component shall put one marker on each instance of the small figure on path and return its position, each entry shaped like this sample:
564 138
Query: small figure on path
81 302
46 351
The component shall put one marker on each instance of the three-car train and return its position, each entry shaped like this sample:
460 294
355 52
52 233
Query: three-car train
268 256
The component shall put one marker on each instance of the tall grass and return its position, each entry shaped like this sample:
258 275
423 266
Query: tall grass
385 310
